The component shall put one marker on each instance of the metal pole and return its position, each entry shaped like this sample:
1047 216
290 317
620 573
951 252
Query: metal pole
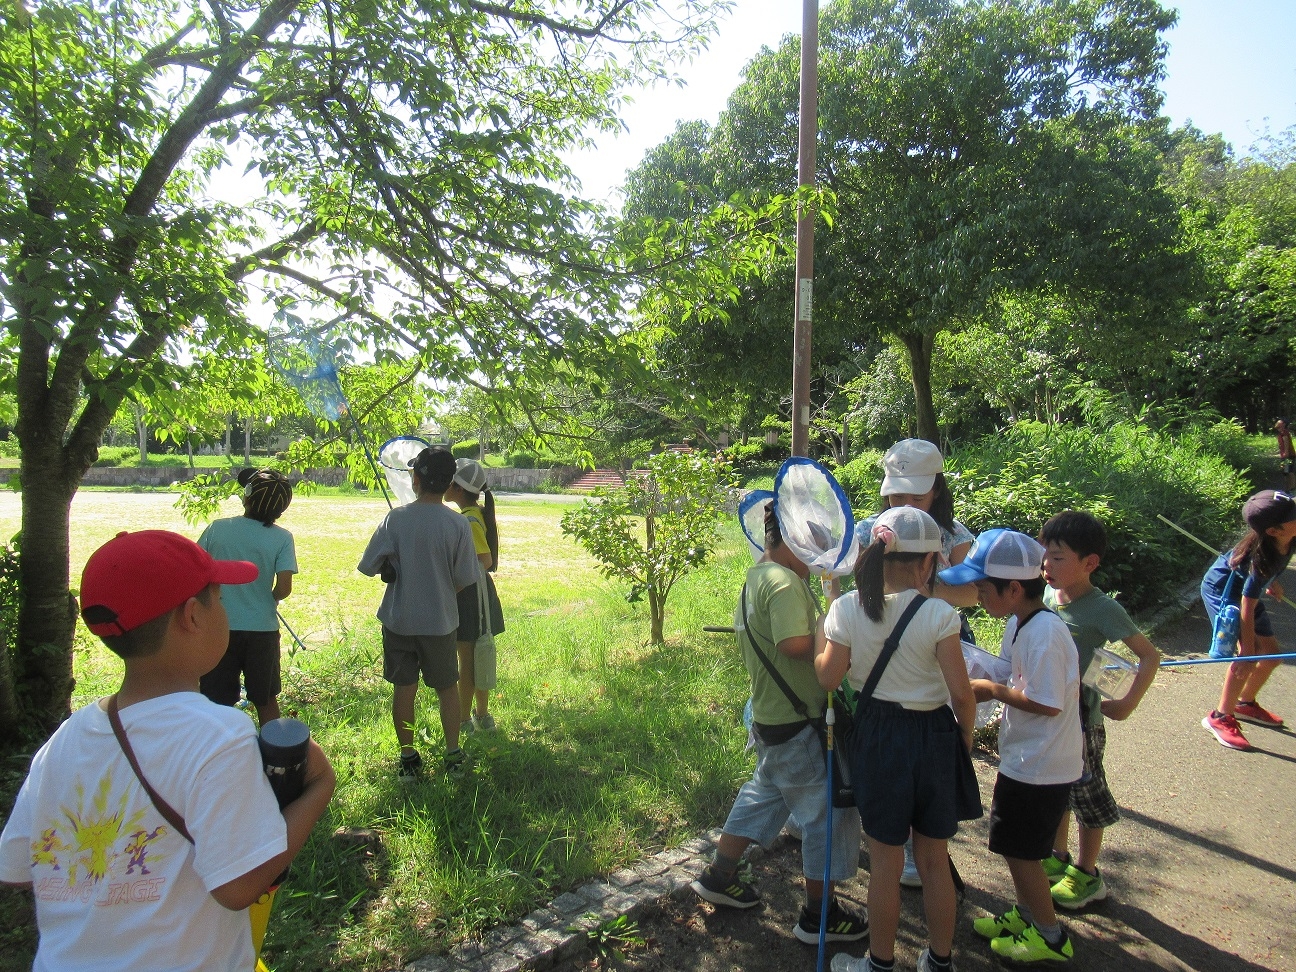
807 130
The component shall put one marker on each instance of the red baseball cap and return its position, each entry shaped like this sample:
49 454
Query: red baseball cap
136 577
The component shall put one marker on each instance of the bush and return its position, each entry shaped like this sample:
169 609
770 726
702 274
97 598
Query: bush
467 449
522 460
741 456
861 478
117 456
9 447
1124 475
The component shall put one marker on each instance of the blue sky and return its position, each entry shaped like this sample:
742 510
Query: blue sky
1231 69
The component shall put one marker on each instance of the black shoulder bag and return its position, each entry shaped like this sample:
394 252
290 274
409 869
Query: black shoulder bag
843 793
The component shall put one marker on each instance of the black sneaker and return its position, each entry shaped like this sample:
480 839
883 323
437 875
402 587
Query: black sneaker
843 925
456 762
732 893
411 767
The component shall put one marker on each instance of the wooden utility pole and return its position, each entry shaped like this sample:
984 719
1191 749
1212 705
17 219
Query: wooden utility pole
807 131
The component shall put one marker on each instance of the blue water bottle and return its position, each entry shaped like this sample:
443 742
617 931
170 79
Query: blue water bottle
1224 637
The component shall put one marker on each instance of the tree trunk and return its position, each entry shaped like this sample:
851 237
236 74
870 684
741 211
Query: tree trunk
189 450
656 602
920 355
247 441
47 615
228 423
657 613
141 437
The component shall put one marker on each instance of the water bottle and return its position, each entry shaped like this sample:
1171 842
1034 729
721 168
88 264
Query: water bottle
1224 637
284 743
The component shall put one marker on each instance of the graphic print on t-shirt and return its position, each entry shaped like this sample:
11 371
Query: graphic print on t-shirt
99 850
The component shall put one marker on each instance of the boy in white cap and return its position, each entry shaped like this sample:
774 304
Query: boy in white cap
1040 741
146 826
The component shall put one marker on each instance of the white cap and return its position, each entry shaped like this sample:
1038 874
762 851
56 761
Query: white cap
905 529
1005 554
911 466
470 475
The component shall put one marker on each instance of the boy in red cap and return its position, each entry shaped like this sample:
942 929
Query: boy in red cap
146 825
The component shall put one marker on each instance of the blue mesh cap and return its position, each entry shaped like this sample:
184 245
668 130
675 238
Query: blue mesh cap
1000 553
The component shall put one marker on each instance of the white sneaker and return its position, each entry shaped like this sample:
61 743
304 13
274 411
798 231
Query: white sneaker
924 962
909 877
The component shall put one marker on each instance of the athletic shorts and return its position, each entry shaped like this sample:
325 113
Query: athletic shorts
1091 800
903 772
1024 817
791 780
251 658
404 656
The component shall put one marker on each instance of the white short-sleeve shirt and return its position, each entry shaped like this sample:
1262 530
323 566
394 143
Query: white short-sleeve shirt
913 677
1035 748
116 887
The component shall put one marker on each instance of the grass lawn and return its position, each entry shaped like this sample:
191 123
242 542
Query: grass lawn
608 747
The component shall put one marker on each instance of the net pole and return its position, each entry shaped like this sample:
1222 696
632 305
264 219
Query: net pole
364 442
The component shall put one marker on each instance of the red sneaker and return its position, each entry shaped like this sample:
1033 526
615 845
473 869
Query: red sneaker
1254 712
1225 729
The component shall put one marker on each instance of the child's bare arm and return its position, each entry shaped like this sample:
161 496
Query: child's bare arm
282 585
985 690
1149 659
300 816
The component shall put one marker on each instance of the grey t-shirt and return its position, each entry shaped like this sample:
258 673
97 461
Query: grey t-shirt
431 547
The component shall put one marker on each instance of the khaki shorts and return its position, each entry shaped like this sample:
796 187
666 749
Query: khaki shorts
404 656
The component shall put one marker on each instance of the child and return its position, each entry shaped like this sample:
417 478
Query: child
1040 739
253 653
122 881
1075 543
903 751
1240 577
915 476
468 484
424 553
1286 455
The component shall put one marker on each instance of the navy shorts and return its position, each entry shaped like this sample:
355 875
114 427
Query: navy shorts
253 657
1263 625
1024 817
904 772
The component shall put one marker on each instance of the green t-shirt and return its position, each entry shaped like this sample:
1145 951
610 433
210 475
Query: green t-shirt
1094 619
779 606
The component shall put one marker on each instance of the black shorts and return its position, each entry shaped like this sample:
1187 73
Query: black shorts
470 612
404 656
253 658
904 772
1024 817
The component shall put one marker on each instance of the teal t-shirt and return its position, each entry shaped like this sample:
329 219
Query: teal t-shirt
779 606
251 607
1093 619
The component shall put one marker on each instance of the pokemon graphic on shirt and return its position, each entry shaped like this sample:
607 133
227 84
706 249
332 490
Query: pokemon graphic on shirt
99 850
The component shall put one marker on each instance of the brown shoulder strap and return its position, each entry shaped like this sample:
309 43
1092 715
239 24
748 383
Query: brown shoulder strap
162 807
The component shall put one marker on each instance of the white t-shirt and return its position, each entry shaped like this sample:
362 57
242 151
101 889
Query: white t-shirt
1036 748
116 887
913 677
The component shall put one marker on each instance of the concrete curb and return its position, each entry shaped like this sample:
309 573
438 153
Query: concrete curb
561 929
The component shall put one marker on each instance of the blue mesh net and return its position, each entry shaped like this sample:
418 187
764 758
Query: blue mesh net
305 359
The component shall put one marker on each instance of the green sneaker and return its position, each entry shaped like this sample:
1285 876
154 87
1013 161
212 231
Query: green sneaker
1077 889
1008 924
1055 867
1029 946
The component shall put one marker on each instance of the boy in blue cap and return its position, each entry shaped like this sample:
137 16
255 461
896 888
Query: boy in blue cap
1039 740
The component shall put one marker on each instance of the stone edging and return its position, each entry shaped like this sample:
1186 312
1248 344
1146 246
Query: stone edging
561 929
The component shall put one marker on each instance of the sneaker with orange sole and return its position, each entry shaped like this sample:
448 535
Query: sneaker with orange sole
1226 731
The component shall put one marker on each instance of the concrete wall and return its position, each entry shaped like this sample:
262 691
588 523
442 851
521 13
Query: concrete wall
507 480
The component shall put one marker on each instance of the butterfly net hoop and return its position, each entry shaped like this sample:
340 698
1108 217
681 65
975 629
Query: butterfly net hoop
751 514
306 361
815 517
395 457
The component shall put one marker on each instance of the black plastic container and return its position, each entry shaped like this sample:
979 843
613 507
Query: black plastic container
284 743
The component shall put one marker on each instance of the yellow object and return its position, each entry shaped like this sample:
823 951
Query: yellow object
259 913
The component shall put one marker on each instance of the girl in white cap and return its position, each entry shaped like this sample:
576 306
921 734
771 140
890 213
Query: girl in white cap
915 477
901 649
467 487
